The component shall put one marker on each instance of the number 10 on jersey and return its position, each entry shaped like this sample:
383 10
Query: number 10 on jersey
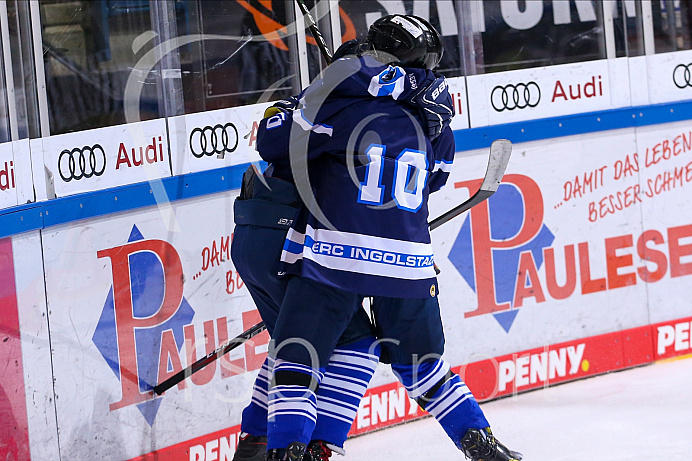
410 176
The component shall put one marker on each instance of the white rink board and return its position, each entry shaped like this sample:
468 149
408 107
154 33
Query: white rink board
546 174
667 178
122 154
541 92
16 187
97 414
457 89
198 139
669 77
36 355
8 179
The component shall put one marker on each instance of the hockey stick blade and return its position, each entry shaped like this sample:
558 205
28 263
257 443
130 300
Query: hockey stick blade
500 152
209 358
317 35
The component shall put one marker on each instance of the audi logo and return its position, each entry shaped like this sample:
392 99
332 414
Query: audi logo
81 163
519 96
682 77
217 139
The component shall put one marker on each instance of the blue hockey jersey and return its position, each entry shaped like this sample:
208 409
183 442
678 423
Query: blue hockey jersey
364 169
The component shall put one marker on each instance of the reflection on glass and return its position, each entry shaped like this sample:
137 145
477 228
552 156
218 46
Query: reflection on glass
244 58
88 56
4 113
321 14
521 34
628 28
443 15
671 20
500 35
23 72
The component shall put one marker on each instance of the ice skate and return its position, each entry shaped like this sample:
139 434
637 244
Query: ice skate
319 450
294 452
481 445
251 448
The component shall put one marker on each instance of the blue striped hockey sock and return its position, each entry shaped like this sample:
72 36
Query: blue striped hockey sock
254 419
292 404
346 379
444 395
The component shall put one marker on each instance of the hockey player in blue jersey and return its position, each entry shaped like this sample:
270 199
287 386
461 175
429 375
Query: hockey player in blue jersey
365 231
263 212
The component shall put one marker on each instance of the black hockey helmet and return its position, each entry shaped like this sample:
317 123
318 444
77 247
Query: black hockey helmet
409 40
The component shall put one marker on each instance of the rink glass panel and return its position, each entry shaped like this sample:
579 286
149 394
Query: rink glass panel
495 36
628 28
672 21
248 54
90 49
4 108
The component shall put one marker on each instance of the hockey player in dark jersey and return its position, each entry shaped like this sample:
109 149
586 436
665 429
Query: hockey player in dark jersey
365 231
263 213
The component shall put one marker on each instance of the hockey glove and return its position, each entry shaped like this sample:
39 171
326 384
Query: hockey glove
285 105
435 107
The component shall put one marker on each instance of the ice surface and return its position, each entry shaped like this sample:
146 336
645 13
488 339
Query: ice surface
639 414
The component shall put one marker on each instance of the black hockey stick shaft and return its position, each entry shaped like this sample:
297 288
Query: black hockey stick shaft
500 151
312 25
209 358
477 198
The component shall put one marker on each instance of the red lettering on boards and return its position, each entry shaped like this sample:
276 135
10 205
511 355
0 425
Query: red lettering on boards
590 89
583 184
581 267
484 244
147 153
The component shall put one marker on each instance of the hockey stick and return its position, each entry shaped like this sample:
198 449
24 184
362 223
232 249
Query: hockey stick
500 151
209 358
321 44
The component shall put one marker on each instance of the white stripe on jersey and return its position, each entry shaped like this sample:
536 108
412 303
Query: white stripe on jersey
298 240
259 388
441 165
307 125
335 405
388 82
370 255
